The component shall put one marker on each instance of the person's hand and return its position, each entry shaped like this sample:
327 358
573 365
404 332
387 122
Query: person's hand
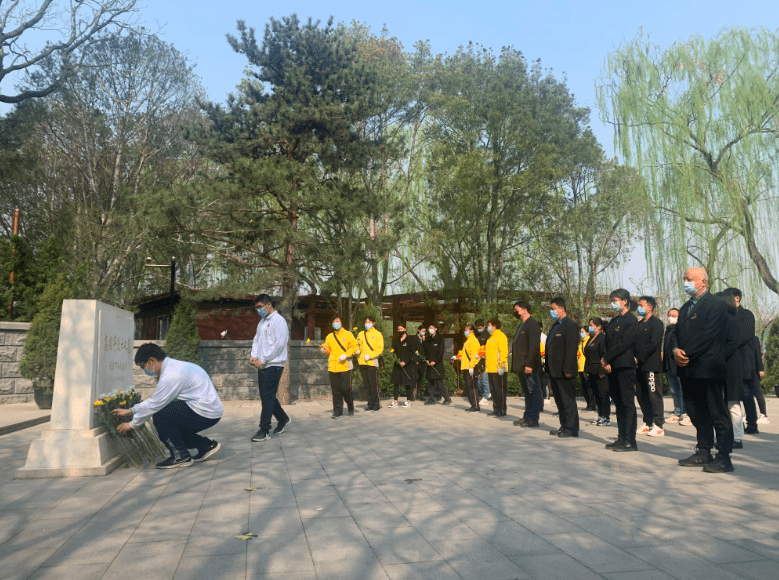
258 363
762 373
402 364
122 413
367 357
124 427
607 368
681 357
568 375
528 370
601 376
635 360
431 363
342 358
500 372
252 361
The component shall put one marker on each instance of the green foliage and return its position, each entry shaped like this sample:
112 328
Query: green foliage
183 340
771 360
39 356
699 121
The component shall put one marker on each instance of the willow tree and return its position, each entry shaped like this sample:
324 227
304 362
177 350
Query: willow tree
699 120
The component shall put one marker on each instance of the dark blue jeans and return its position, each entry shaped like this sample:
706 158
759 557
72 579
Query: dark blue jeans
178 427
534 399
268 379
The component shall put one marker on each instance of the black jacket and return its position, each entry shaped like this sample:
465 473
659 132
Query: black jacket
594 350
669 362
526 347
621 342
758 354
434 352
402 375
562 346
734 385
746 320
649 345
702 334
416 349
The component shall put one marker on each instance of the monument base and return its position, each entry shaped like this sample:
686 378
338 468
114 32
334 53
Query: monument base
71 453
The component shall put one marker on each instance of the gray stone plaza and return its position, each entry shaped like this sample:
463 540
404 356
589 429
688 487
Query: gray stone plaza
421 492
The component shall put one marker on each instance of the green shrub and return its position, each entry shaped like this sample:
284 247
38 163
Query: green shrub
39 357
771 360
183 339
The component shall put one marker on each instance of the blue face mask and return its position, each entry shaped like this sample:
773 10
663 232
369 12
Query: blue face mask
466 333
553 314
368 326
431 331
479 330
616 307
690 289
592 330
262 312
641 311
149 373
583 334
336 326
422 333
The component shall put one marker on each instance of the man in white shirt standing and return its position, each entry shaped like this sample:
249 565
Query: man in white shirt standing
184 403
269 355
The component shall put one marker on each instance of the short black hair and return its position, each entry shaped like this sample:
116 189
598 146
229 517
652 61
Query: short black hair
522 304
673 310
620 293
147 351
338 316
494 322
264 299
420 327
558 301
479 322
649 300
467 326
732 292
371 318
597 321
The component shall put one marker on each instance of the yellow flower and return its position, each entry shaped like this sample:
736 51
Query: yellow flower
308 340
354 328
122 403
98 403
392 350
107 400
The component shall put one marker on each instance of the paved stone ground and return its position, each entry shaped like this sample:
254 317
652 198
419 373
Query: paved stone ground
424 492
19 413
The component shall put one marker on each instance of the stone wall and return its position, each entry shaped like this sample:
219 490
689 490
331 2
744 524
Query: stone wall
227 363
13 388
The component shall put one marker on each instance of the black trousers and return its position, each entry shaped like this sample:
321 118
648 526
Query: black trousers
498 388
418 378
268 380
587 392
565 397
470 388
748 398
435 389
341 386
178 427
622 385
704 400
370 380
650 397
600 386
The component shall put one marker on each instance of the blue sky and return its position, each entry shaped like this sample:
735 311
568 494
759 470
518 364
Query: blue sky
569 37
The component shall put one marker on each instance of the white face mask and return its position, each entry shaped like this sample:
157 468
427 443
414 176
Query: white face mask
673 319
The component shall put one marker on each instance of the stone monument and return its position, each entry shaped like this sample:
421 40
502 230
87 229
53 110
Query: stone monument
94 356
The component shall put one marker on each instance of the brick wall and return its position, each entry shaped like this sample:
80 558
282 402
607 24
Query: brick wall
226 362
13 388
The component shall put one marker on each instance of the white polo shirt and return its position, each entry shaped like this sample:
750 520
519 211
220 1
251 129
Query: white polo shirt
270 342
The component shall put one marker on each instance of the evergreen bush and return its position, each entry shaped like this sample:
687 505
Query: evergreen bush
183 339
771 361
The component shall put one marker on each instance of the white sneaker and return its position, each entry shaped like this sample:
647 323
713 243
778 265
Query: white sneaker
406 404
483 403
763 420
393 404
673 419
643 430
656 431
686 421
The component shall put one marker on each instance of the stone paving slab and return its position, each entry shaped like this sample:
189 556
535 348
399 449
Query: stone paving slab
17 416
426 492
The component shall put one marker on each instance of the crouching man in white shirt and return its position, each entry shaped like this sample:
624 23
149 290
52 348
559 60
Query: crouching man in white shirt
184 403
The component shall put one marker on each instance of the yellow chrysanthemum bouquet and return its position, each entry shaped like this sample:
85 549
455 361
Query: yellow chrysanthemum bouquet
138 445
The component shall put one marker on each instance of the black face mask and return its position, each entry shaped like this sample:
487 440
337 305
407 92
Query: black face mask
516 315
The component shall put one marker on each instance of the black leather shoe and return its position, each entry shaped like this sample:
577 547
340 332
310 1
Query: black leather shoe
738 445
554 431
520 423
697 459
567 434
751 430
351 411
625 447
720 464
430 402
471 410
447 402
613 444
531 424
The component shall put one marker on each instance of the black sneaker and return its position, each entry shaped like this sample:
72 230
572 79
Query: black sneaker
281 426
430 402
738 445
698 459
207 452
751 430
172 463
554 432
720 464
471 410
447 402
625 447
615 443
375 410
520 423
261 435
530 424
351 411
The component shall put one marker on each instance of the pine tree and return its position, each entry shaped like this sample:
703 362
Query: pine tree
183 339
772 356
